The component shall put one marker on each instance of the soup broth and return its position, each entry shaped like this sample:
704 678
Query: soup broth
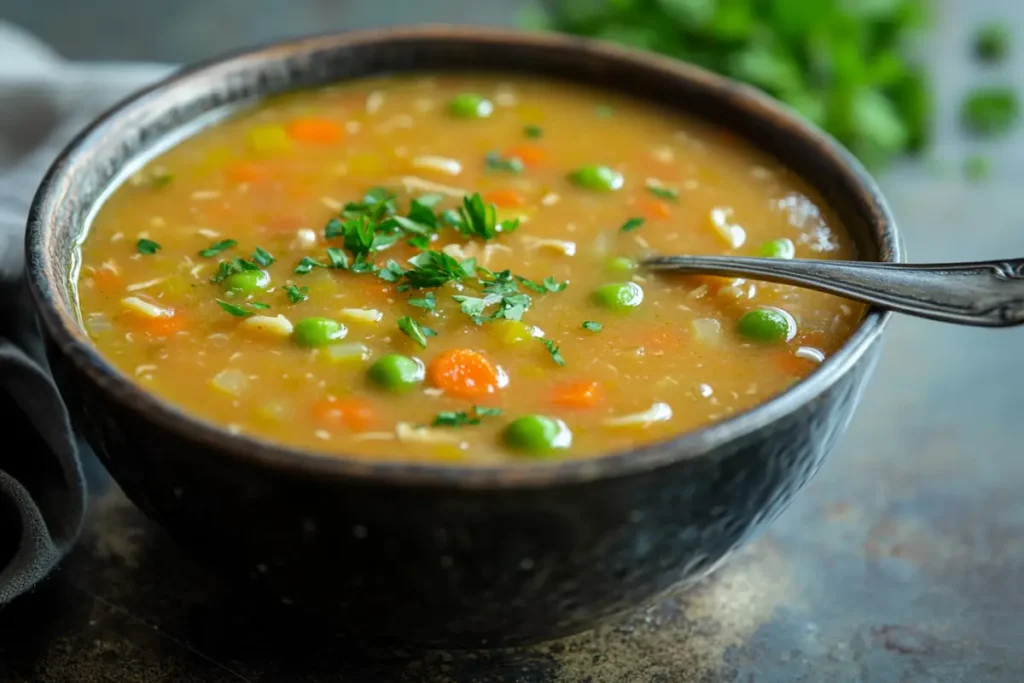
444 269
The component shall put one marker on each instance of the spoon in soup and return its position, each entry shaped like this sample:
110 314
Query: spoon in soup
982 293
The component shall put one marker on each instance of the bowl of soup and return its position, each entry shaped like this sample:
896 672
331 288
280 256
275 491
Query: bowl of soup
360 319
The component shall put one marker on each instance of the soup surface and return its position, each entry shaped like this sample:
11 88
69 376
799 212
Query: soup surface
443 268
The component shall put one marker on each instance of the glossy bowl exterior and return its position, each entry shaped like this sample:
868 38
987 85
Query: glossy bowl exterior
437 555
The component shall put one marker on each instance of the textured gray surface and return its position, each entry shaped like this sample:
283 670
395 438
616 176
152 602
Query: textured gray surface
902 561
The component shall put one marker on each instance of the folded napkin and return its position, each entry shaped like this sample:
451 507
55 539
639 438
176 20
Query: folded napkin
44 101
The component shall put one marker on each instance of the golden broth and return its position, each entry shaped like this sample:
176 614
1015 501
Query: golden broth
266 184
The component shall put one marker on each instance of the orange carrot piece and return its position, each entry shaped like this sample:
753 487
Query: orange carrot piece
578 394
163 326
356 414
506 199
464 373
530 155
316 131
245 172
107 281
656 209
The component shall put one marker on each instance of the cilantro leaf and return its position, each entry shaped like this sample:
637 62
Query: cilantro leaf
661 192
231 266
632 224
307 264
463 418
391 272
553 349
434 268
296 294
217 247
241 311
428 302
338 258
591 325
495 162
548 284
532 131
262 257
478 219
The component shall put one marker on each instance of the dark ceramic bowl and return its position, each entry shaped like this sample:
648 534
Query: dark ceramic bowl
439 555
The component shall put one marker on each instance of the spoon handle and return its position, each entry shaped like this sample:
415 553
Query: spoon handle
984 293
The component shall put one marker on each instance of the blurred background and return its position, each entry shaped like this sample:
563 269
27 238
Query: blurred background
904 558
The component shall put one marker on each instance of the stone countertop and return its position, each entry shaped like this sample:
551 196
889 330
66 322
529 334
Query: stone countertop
903 560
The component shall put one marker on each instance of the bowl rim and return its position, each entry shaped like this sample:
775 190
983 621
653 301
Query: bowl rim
696 444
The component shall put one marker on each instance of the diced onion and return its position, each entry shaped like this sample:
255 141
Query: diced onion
98 323
550 199
368 316
810 353
231 381
440 164
350 352
659 412
561 246
411 183
721 220
145 308
707 330
304 239
136 286
274 325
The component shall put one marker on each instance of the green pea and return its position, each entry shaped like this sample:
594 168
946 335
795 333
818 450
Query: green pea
767 324
597 178
620 264
247 282
619 296
780 248
469 105
537 435
396 372
313 332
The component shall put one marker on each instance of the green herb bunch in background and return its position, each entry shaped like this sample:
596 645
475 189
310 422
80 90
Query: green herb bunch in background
847 65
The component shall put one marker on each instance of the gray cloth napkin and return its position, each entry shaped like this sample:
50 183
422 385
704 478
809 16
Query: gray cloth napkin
44 101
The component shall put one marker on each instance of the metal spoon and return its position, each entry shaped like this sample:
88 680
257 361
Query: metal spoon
984 293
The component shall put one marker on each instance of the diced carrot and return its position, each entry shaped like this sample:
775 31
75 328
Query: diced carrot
245 172
162 326
107 281
578 394
316 131
530 155
505 199
464 373
656 209
355 414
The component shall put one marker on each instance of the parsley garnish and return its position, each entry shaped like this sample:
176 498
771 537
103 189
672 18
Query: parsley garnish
241 311
662 192
263 257
428 301
145 246
554 351
391 272
434 268
476 218
533 131
548 284
990 110
462 418
217 247
495 162
632 224
296 294
307 264
338 258
415 331
591 325
230 267
421 209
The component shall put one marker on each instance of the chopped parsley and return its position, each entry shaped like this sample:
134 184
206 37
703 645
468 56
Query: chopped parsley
495 162
217 247
662 192
145 246
242 311
554 351
428 301
990 110
475 218
548 284
591 325
421 209
415 331
992 43
533 131
263 257
296 294
338 258
632 224
391 272
231 266
434 268
463 418
307 264
161 180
